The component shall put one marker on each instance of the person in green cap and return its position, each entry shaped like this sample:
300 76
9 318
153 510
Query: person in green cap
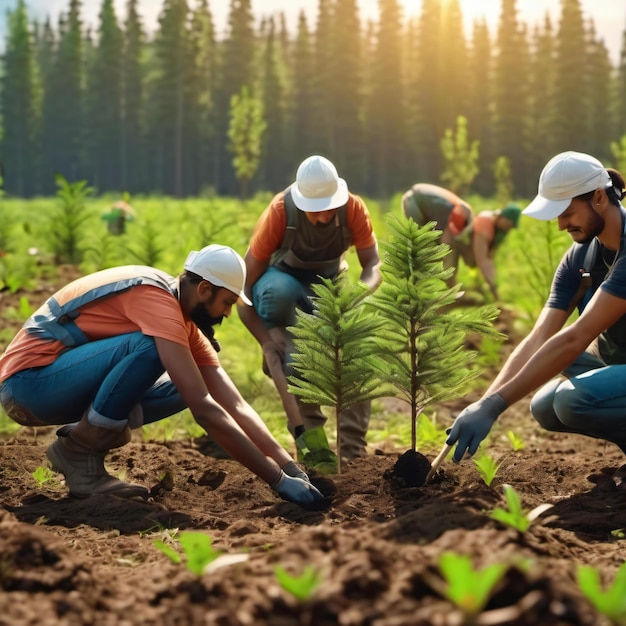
478 243
475 239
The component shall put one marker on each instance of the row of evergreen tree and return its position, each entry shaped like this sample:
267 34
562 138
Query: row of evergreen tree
151 114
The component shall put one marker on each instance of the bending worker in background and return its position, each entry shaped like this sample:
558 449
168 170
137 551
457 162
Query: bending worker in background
580 367
128 346
303 234
474 239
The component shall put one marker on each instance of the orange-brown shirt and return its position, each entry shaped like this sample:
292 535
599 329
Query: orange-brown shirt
485 223
270 229
144 308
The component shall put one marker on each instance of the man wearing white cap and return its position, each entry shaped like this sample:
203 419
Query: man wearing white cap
303 234
580 368
128 346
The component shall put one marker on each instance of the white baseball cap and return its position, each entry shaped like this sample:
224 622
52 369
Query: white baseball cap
565 176
221 266
318 186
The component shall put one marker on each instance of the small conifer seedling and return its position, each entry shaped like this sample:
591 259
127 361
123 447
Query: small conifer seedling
423 356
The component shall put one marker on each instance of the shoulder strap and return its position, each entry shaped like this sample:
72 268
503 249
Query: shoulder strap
58 322
291 213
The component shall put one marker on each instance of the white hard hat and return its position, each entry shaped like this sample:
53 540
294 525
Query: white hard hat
318 186
221 266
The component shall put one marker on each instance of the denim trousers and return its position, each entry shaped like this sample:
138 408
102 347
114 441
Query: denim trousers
591 401
113 379
276 295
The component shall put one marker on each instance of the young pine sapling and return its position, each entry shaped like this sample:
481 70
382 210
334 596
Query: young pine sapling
423 354
335 350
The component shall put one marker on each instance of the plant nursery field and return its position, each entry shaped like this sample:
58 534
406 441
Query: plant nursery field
379 555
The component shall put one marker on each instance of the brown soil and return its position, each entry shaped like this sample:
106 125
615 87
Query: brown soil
376 548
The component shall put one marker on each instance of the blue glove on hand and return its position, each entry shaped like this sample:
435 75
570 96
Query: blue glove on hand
291 469
297 490
473 424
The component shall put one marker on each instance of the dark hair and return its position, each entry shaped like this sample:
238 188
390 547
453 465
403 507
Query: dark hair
615 192
618 188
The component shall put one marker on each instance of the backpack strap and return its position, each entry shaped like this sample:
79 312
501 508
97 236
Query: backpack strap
58 323
291 212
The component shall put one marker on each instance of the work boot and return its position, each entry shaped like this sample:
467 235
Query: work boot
79 453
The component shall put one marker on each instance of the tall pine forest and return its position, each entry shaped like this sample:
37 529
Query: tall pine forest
149 113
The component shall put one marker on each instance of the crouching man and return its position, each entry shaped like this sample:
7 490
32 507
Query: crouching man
131 345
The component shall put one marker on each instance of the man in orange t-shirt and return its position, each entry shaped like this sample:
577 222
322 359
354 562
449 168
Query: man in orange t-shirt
132 345
303 234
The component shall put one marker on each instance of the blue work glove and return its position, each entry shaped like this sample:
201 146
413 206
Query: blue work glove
291 469
473 424
297 490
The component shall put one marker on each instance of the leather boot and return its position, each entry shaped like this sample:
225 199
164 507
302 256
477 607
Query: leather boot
79 453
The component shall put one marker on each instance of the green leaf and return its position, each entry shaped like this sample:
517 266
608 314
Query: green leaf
301 587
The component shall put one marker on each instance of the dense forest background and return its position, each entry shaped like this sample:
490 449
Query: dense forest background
151 114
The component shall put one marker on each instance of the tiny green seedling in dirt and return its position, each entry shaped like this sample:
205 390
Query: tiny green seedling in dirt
199 552
302 587
44 475
487 467
517 443
610 602
516 517
469 588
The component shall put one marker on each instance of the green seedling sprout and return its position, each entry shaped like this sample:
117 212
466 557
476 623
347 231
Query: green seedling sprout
517 443
302 587
428 435
516 516
610 602
487 467
43 475
467 587
199 552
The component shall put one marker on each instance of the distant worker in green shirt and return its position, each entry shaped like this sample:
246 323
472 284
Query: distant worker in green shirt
474 239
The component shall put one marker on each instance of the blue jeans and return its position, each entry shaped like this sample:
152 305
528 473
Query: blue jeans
592 401
110 378
276 295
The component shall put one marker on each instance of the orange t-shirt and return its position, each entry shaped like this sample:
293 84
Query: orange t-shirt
270 229
485 224
144 308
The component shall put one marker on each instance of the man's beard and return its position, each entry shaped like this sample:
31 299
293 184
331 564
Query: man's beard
206 323
593 228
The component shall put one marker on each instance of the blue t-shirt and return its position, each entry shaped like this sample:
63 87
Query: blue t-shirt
606 275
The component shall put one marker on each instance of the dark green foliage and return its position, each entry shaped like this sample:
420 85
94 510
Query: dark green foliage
423 343
336 349
150 113
571 93
103 102
66 228
131 139
19 105
511 95
407 339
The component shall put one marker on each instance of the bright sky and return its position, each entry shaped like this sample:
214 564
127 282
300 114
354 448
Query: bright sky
609 16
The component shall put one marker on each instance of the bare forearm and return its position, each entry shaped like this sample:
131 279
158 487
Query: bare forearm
231 438
552 358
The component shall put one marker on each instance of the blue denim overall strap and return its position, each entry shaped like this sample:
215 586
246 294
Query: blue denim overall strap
58 323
